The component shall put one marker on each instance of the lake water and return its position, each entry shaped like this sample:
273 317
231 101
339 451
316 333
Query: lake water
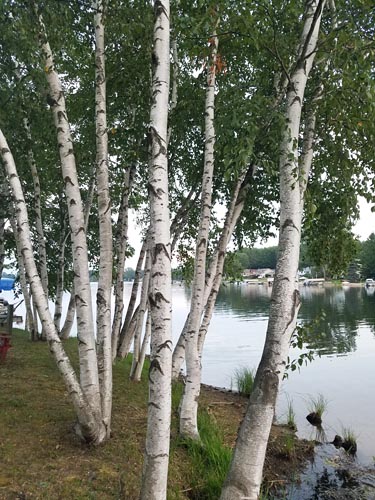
344 373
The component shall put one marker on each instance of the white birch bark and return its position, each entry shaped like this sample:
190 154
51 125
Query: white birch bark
121 245
85 326
42 253
189 404
126 334
103 296
143 305
245 475
155 470
70 314
91 429
60 279
30 318
142 355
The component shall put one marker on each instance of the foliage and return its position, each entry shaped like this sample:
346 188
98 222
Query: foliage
367 257
244 380
257 258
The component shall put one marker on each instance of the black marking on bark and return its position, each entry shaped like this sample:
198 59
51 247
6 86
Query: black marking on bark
4 151
154 365
156 299
72 202
289 223
79 230
67 180
202 242
295 305
61 116
157 274
70 152
51 101
297 99
60 129
159 248
79 299
151 403
155 137
164 345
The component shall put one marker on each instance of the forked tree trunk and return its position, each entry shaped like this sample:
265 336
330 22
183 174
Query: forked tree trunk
70 314
91 429
139 366
143 305
103 296
155 470
89 379
245 475
127 332
121 245
60 279
189 405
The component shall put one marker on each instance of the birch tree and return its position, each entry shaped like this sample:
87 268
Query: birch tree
245 475
189 405
155 471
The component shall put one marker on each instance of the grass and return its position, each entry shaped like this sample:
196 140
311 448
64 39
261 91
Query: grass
291 416
349 439
42 458
244 380
318 405
210 459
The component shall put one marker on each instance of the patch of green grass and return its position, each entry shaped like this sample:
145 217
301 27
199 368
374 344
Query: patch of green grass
210 460
244 380
350 439
318 405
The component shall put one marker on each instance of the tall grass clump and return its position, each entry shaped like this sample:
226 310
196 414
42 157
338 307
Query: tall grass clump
244 380
318 405
210 460
349 440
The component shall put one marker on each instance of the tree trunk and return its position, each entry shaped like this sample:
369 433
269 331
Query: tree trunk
85 325
30 319
60 280
142 355
126 332
91 428
245 475
155 470
121 244
143 305
189 405
103 296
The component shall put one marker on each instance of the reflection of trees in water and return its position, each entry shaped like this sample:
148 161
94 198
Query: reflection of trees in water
344 310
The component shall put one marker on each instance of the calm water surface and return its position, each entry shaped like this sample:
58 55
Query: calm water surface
344 373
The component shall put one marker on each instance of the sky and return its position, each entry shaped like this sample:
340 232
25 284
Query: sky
364 227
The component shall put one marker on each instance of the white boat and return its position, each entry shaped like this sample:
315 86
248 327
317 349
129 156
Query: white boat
369 282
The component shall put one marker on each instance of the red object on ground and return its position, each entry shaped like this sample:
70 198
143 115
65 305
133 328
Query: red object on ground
5 345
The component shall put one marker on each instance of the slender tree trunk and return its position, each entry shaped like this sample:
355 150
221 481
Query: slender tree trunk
70 314
142 355
42 253
121 245
245 475
60 279
30 317
143 305
189 406
155 471
85 325
91 429
2 246
126 334
103 297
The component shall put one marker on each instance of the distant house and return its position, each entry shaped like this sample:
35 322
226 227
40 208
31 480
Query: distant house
258 273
